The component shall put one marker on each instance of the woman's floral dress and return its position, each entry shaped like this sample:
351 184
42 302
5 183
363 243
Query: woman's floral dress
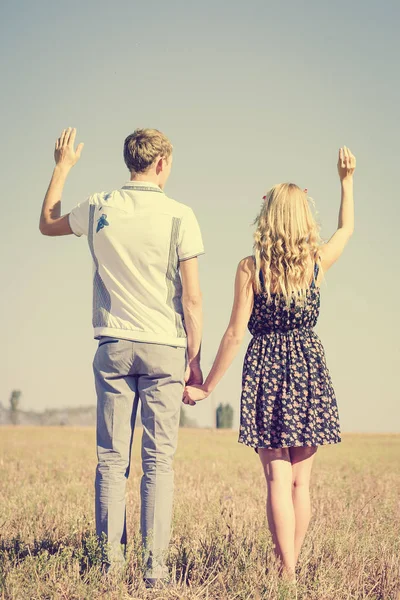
287 394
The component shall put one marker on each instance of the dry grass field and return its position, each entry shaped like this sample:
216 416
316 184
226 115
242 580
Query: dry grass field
220 546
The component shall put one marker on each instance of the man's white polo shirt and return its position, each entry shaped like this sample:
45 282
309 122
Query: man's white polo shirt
137 237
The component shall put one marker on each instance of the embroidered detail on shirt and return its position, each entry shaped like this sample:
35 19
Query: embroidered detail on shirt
102 222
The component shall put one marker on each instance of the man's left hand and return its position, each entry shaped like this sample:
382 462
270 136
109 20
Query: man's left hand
194 375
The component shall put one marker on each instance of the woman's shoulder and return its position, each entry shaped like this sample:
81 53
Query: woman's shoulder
245 271
247 264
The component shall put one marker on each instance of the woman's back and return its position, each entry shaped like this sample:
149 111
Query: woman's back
287 397
277 317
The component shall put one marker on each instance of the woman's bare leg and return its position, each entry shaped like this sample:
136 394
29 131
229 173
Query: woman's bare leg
302 461
280 513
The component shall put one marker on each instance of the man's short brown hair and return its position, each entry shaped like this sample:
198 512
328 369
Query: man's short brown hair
142 147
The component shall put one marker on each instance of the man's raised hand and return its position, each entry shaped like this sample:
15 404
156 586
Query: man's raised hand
64 153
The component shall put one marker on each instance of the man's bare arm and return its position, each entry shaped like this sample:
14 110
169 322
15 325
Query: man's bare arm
51 221
193 314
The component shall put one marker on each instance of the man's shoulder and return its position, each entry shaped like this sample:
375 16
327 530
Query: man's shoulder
111 198
100 197
179 208
115 198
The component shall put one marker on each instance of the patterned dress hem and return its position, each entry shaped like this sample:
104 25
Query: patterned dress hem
297 445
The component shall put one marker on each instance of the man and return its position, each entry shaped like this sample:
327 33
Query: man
147 316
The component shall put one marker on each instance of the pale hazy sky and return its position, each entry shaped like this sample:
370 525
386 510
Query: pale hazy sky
251 94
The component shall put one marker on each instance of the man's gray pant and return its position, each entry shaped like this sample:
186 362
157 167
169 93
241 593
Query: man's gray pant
125 372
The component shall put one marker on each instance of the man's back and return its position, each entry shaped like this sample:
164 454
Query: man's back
137 236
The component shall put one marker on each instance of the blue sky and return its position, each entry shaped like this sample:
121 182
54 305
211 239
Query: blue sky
250 94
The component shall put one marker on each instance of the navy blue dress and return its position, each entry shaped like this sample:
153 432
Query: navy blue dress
287 394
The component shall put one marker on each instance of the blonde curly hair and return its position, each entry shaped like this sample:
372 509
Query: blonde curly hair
286 238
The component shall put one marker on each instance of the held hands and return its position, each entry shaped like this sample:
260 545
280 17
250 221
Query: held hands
193 394
194 390
64 153
346 164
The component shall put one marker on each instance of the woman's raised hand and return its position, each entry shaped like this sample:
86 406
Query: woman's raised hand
346 163
193 394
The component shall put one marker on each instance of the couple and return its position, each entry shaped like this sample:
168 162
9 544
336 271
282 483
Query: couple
147 316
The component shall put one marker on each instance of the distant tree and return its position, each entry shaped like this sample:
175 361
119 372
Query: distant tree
14 404
224 416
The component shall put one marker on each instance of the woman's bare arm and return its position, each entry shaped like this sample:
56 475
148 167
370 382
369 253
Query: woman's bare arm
332 250
233 336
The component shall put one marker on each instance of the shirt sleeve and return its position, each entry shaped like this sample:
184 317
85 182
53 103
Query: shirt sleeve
79 218
190 239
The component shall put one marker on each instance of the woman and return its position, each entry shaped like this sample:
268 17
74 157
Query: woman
288 405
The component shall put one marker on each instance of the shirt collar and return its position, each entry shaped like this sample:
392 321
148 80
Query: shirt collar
146 184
